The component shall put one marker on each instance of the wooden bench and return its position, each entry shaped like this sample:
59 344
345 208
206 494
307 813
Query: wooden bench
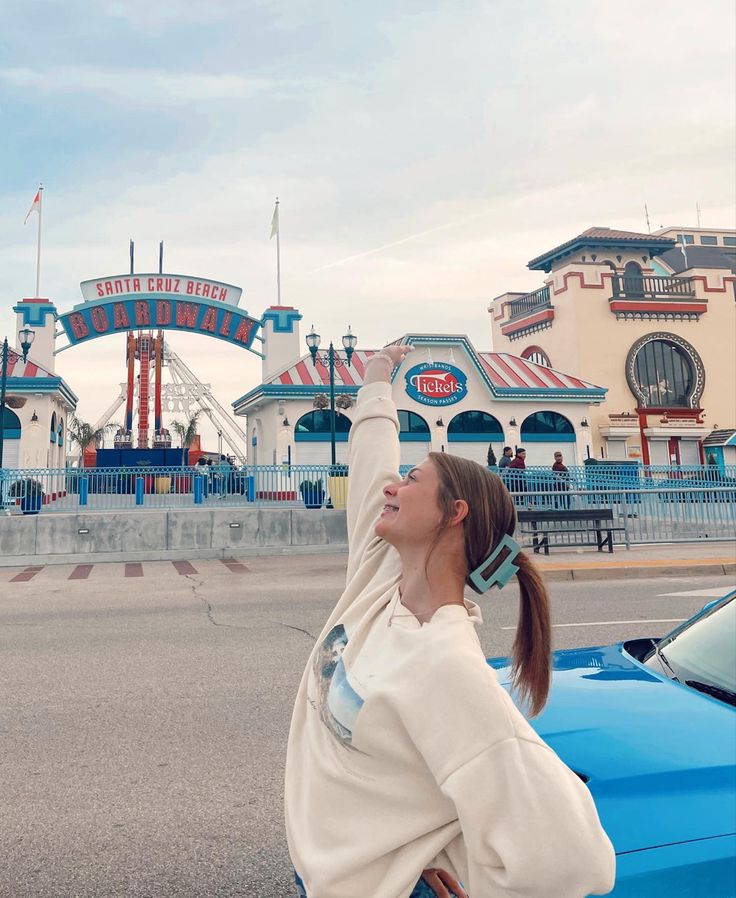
597 523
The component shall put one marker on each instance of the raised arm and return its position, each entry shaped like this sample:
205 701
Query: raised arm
374 452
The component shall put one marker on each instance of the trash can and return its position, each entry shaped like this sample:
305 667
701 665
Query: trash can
163 485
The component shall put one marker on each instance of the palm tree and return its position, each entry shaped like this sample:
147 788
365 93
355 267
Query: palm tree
186 432
86 435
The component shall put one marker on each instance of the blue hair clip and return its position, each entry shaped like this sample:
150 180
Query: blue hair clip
503 573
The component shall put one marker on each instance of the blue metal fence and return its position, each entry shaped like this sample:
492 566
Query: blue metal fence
649 503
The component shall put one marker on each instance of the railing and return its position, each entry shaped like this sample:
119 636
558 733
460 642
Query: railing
652 288
644 516
532 302
679 503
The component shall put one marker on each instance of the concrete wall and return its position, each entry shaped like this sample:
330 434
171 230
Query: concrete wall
168 534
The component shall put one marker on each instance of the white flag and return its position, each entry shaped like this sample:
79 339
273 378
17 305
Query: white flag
683 250
275 220
35 205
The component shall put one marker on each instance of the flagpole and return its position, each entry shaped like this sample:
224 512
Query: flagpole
38 250
278 254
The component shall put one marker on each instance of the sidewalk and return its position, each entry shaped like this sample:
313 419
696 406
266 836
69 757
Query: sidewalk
669 560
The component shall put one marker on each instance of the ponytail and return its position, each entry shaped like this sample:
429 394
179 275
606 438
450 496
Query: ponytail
491 516
531 656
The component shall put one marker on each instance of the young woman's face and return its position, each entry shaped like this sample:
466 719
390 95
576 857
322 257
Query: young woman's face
411 513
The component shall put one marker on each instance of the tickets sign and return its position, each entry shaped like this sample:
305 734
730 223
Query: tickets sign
137 286
436 383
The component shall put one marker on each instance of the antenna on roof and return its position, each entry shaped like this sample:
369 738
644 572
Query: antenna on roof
697 212
646 212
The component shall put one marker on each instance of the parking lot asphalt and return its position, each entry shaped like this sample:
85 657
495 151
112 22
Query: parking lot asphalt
144 712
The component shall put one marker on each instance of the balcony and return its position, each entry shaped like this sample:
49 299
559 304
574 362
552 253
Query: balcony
532 302
652 288
655 299
529 313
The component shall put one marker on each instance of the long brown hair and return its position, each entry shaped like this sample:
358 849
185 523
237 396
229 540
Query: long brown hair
490 515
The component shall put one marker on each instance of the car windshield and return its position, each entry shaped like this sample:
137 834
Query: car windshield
704 650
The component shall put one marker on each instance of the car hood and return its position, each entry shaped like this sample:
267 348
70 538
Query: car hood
658 756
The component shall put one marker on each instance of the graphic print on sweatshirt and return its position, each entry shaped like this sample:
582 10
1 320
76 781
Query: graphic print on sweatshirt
339 704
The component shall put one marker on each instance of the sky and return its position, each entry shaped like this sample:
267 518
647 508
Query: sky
422 152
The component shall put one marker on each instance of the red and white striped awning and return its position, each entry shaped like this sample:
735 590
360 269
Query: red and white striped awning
506 370
18 368
309 374
502 369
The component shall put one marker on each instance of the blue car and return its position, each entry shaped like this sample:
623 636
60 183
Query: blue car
650 726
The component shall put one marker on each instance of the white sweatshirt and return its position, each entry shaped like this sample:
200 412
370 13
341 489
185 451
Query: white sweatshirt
406 753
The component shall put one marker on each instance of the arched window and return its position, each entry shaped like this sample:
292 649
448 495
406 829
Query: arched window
633 280
472 424
412 427
544 426
665 375
52 434
537 355
60 433
316 426
10 424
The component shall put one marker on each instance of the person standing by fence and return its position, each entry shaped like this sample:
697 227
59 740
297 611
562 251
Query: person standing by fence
507 457
562 481
515 475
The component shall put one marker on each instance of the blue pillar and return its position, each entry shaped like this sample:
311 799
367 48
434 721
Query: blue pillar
83 490
139 483
198 489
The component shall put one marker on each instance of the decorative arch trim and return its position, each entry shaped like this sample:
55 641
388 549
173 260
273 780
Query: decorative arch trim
530 351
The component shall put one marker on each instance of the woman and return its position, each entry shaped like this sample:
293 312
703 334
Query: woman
409 770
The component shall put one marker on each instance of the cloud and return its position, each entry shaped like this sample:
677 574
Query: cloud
149 87
422 157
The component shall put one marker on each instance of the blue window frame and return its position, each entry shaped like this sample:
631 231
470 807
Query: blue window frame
315 427
474 426
10 424
412 427
547 426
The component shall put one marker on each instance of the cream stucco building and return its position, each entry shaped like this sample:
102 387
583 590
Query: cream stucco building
38 401
652 318
451 397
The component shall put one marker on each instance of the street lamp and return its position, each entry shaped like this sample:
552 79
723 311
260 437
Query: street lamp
26 336
331 359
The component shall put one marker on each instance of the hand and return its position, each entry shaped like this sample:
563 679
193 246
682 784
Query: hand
397 352
380 371
441 881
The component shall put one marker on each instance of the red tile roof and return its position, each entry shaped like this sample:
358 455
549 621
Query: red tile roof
598 236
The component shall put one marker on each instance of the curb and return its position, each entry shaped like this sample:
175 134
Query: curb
639 571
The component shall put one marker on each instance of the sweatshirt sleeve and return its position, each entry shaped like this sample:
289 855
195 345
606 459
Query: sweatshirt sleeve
529 824
374 462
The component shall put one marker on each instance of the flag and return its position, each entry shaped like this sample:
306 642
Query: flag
35 205
275 220
683 250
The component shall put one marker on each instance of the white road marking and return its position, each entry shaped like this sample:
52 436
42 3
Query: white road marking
607 623
713 593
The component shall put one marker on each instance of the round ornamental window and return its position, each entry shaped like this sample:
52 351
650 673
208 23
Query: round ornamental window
665 371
